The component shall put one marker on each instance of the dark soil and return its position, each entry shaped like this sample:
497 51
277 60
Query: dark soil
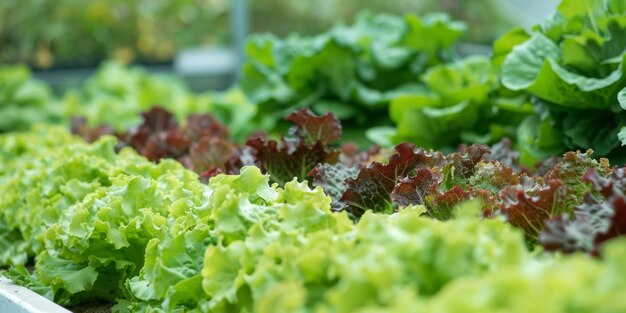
92 307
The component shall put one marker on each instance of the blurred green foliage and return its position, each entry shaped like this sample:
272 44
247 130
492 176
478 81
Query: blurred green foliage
24 101
46 33
62 33
484 18
115 95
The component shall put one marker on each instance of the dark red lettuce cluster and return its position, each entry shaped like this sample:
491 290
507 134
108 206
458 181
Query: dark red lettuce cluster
601 215
571 203
202 143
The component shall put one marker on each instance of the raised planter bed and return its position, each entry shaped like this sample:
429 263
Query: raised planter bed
17 299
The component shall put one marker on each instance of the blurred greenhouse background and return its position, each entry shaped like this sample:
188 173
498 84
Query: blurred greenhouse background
202 40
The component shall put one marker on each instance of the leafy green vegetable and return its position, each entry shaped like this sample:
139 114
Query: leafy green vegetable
103 237
115 227
556 192
24 186
574 65
294 157
622 101
534 66
116 94
350 70
23 100
203 145
372 265
238 207
261 244
100 222
461 102
538 139
528 209
379 181
84 212
413 176
596 286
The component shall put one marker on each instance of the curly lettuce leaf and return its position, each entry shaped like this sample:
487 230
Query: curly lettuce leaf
325 267
311 128
84 212
24 101
116 94
240 208
43 179
107 231
600 217
596 287
528 208
372 187
414 176
554 193
307 145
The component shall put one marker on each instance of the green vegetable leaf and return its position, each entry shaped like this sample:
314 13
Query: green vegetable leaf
534 66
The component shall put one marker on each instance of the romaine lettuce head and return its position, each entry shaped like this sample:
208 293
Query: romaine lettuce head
574 64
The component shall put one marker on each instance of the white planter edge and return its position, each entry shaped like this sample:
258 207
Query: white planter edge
17 299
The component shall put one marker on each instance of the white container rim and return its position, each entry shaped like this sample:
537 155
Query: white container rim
17 299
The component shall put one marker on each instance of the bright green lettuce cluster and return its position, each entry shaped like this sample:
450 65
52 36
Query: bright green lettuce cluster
116 94
573 65
25 185
379 264
271 249
23 100
241 209
569 284
84 212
